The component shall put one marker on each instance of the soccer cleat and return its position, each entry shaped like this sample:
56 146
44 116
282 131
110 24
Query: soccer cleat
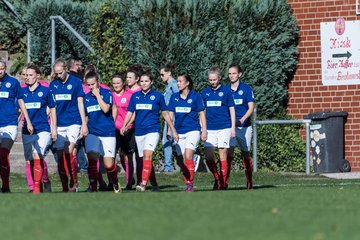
217 185
36 191
89 189
117 187
140 188
47 186
74 188
110 187
197 159
103 188
189 187
155 189
249 185
5 190
128 187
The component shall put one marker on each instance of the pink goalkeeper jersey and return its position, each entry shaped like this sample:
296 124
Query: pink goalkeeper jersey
122 103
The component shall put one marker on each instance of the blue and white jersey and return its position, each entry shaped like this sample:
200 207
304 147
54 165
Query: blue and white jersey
99 123
147 107
186 111
36 102
242 97
10 91
66 95
217 102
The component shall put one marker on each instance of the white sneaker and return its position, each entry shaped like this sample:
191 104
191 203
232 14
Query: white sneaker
196 161
140 188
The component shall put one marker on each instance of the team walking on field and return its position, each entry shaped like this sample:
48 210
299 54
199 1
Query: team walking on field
74 112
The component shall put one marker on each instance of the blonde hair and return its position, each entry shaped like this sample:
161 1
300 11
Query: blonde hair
59 61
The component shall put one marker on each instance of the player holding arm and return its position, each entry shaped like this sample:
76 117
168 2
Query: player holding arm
101 139
186 106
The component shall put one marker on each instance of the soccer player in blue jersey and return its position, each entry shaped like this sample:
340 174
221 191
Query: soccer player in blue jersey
38 101
101 140
186 106
244 107
146 106
220 116
10 92
71 123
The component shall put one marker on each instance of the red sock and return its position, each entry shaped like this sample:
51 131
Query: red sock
99 174
45 172
112 173
190 166
186 173
229 160
139 167
248 171
212 167
224 173
153 177
146 171
63 172
93 174
5 168
38 172
71 161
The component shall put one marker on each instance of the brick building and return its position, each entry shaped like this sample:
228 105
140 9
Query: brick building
306 91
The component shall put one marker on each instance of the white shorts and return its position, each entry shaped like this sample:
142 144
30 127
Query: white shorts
67 134
8 132
242 139
147 142
105 146
36 143
218 138
189 140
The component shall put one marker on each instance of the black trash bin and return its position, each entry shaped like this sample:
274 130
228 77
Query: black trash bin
327 142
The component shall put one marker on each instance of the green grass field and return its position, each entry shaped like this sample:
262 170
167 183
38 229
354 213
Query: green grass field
282 206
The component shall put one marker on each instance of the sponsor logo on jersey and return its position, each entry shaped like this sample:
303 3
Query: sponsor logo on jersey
33 105
4 94
62 97
213 103
93 108
238 101
143 106
182 109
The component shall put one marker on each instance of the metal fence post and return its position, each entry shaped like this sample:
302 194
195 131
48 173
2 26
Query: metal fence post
255 167
52 40
28 45
307 124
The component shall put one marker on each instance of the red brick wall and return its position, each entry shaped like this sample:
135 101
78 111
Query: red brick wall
306 91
